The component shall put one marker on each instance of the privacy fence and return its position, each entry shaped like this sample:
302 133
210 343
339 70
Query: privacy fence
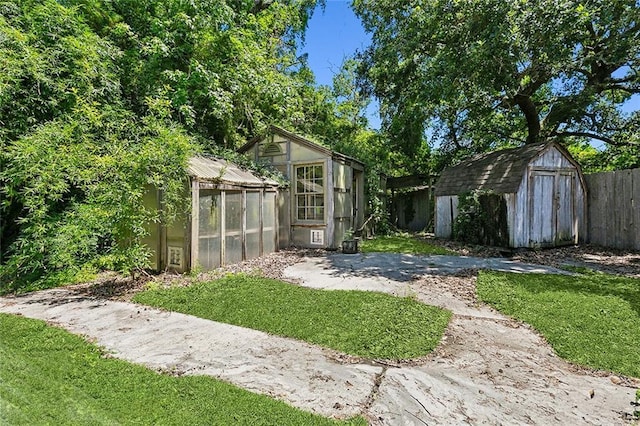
614 209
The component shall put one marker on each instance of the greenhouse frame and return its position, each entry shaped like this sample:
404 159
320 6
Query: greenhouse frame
233 218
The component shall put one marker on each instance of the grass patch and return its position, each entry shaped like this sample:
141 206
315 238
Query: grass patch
367 324
49 376
590 320
402 243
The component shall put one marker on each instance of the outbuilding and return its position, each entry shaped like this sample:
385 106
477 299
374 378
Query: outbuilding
325 199
540 187
233 218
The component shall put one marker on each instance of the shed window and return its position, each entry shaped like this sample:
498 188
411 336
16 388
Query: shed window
310 192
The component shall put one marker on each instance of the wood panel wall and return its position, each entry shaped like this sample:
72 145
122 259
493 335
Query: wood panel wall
614 209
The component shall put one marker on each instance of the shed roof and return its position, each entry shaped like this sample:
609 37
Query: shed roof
302 141
221 171
500 171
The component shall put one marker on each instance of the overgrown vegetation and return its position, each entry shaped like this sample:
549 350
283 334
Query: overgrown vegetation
366 324
590 320
402 243
48 376
100 100
482 219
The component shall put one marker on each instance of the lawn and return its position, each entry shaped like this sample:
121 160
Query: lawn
367 324
401 243
49 376
592 320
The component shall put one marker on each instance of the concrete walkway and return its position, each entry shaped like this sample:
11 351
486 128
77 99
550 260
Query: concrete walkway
304 375
488 369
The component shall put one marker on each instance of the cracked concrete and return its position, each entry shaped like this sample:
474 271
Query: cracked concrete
488 369
301 374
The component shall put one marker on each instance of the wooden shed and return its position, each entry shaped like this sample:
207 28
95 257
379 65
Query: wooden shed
233 218
326 195
542 187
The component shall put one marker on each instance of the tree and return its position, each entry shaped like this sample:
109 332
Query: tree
481 73
228 68
102 100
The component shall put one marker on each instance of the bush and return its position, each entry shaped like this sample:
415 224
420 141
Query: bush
482 219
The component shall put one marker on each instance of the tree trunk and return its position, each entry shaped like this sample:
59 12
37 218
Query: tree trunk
530 112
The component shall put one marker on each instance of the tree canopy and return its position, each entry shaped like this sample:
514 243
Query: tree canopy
101 99
471 75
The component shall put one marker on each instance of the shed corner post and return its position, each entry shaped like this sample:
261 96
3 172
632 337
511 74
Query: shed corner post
195 221
243 235
330 202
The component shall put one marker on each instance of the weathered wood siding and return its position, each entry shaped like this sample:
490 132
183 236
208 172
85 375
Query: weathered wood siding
614 209
550 203
412 210
446 213
342 200
339 179
547 210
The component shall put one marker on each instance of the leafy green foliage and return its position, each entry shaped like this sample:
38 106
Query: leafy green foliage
590 320
482 219
475 75
402 243
79 180
367 324
102 100
49 376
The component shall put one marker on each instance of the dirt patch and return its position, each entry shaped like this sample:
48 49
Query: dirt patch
113 286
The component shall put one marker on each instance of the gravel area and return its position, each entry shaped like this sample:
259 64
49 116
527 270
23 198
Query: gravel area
115 287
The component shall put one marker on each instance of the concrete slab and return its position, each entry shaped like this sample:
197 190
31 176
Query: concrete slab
303 375
377 271
488 369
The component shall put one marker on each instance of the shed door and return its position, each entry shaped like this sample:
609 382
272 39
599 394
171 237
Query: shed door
552 213
565 218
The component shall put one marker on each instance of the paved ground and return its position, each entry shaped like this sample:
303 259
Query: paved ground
488 369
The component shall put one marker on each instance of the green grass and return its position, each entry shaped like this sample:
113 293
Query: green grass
49 376
401 243
592 320
367 324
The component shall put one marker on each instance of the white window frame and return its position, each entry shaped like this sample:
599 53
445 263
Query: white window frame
309 196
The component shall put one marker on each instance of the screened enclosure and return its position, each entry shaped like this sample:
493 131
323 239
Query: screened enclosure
233 218
234 225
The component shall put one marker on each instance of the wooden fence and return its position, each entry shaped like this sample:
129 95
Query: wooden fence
613 205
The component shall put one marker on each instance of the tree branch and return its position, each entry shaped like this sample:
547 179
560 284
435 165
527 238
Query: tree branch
592 136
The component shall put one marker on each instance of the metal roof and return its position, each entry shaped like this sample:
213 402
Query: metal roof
500 171
221 171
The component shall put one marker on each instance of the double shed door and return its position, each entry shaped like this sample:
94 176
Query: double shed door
551 201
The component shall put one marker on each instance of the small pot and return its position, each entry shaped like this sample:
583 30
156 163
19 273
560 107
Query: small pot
350 246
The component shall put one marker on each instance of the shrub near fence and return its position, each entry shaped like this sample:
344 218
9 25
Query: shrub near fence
613 204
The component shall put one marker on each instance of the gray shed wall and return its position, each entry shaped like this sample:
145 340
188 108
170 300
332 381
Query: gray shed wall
538 211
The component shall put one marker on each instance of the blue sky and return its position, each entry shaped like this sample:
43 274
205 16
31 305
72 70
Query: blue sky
332 36
337 33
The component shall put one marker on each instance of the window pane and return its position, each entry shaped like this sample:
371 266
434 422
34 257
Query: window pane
233 211
310 190
253 210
